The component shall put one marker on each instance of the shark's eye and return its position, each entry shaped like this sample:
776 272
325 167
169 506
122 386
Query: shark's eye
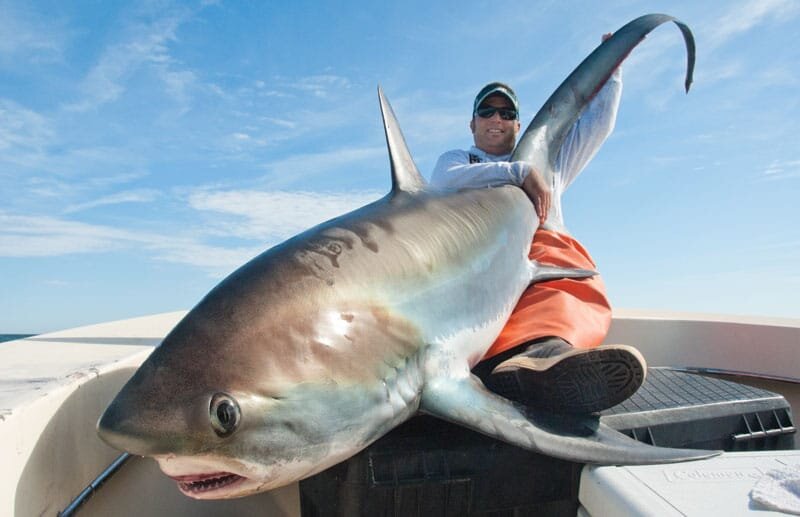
225 414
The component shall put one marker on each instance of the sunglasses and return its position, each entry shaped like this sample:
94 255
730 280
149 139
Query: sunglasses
505 113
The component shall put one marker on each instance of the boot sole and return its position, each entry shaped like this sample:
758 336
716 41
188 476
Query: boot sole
581 381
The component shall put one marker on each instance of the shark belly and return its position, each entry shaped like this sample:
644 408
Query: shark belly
462 311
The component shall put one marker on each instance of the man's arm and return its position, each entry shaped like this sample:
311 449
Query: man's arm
454 172
590 131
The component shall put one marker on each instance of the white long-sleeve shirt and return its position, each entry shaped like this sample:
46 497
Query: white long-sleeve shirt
454 171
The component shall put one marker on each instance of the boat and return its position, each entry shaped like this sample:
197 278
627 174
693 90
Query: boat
53 388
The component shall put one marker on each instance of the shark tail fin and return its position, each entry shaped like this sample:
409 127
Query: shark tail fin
545 135
405 175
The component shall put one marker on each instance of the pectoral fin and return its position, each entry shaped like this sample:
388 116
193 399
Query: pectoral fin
543 272
575 438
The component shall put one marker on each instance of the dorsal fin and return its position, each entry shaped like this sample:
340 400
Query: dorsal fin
405 175
542 139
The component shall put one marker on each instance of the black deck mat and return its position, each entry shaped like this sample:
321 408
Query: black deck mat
672 389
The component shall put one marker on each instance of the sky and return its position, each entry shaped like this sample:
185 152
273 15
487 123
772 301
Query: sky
147 149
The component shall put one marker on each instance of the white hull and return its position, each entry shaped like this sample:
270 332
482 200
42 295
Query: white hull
53 388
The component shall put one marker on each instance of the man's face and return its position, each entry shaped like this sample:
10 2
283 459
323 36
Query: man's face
495 135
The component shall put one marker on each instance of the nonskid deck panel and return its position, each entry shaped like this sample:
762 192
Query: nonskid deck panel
680 409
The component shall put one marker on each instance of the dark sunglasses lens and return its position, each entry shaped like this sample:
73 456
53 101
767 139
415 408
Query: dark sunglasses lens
505 114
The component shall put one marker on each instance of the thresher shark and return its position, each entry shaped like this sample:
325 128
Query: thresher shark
319 346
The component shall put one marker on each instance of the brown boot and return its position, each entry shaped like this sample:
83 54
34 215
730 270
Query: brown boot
553 375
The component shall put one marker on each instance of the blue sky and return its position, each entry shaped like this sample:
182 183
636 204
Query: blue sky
148 149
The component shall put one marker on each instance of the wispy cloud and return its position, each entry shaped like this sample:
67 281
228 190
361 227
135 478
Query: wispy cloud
44 236
301 167
284 109
129 196
178 84
721 71
28 34
264 217
323 85
34 169
146 45
216 261
25 131
781 170
274 214
743 16
283 123
36 236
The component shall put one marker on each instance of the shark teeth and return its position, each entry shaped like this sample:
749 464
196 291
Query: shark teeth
201 483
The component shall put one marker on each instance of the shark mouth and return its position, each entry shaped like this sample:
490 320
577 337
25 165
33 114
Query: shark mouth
199 485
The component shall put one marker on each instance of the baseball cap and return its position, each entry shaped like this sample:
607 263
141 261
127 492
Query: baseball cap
492 89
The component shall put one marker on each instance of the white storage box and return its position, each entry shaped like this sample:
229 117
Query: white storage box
716 486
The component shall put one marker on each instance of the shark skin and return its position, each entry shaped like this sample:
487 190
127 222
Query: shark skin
321 345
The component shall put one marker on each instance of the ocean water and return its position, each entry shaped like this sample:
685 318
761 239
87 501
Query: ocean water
12 337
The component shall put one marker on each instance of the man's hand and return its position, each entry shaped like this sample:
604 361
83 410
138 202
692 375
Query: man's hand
538 192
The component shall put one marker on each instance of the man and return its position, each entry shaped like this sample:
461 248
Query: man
547 355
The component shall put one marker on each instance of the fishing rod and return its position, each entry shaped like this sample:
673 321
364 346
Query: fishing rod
94 486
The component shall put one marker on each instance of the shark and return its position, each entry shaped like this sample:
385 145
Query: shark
322 344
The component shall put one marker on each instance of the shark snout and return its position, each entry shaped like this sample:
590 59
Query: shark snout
124 434
135 424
